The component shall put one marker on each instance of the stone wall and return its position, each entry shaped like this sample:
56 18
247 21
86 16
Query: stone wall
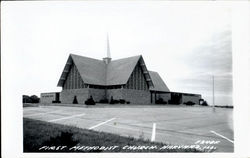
97 94
67 95
195 99
133 96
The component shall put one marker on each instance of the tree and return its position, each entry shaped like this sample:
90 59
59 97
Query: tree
26 99
34 99
31 99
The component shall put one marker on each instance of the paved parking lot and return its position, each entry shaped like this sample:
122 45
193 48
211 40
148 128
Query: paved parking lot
174 125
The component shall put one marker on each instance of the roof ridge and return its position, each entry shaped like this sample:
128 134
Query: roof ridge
71 54
127 57
85 57
153 71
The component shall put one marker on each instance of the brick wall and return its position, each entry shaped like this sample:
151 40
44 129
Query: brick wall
47 98
136 96
195 99
131 95
115 93
97 94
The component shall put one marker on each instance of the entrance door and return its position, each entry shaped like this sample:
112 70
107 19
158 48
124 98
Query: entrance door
152 97
176 98
57 97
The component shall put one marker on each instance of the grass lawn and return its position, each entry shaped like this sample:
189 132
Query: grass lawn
40 136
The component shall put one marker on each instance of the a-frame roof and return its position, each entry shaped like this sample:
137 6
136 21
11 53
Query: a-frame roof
159 84
118 71
96 72
92 71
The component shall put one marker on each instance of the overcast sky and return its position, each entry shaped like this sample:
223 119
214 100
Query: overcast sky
185 44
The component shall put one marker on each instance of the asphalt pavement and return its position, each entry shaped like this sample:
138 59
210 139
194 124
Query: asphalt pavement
175 125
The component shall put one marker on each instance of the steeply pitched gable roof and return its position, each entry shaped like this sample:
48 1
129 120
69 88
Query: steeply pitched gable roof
118 71
92 71
96 72
159 84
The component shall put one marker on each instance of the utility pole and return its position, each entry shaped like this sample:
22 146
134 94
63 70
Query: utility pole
213 95
213 90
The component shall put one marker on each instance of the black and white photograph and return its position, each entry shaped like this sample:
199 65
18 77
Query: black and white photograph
120 77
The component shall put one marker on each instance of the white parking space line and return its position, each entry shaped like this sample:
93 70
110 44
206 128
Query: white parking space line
132 129
29 109
138 130
222 136
64 118
101 123
153 132
42 113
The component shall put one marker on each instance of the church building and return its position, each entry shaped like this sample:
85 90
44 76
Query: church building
127 79
123 79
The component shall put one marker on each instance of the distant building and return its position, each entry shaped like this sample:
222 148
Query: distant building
52 97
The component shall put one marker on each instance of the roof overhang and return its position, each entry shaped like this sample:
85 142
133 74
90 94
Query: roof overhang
146 72
65 72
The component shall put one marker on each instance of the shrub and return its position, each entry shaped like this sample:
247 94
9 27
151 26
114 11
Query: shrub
204 103
90 101
160 101
75 100
31 99
113 101
104 101
56 101
122 101
189 103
